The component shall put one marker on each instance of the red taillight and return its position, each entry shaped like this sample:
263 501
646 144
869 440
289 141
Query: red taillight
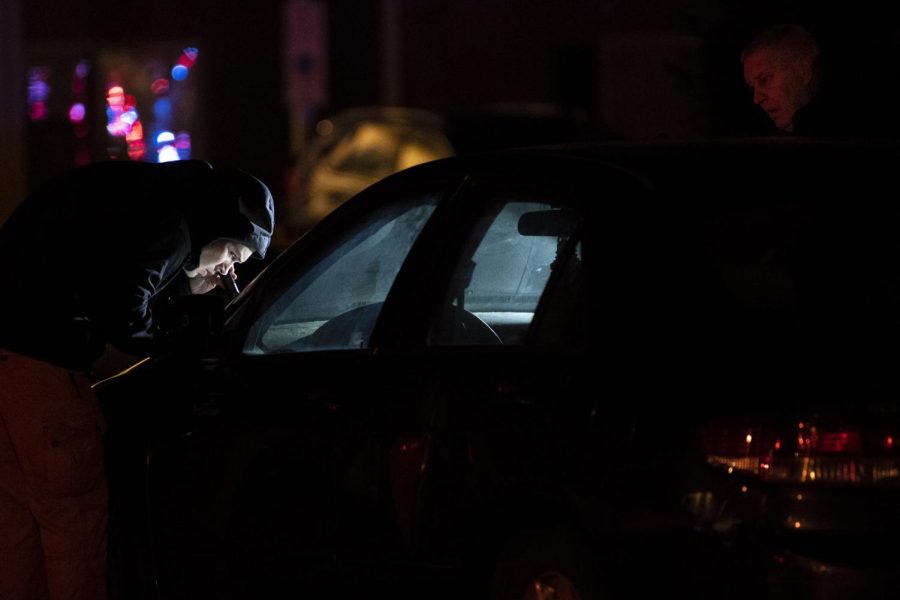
803 452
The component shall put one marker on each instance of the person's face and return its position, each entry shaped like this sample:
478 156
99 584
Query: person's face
778 85
219 257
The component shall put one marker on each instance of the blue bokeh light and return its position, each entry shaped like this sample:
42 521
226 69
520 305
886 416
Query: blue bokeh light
162 109
179 72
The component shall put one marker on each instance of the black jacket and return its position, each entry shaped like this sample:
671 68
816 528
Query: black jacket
82 260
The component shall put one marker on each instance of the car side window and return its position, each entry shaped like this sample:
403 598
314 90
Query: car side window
501 274
336 297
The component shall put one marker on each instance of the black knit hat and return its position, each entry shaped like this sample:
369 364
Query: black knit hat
254 202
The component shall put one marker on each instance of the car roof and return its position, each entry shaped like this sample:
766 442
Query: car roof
767 166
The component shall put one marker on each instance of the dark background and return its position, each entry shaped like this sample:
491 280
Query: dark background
611 69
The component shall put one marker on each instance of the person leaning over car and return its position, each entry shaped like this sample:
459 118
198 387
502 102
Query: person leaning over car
783 67
84 260
810 90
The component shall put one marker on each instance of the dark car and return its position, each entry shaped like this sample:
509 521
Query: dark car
576 372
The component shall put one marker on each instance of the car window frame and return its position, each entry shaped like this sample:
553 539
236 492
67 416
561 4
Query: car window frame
282 273
399 329
436 253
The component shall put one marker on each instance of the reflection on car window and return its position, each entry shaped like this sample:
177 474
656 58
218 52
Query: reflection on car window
334 302
502 273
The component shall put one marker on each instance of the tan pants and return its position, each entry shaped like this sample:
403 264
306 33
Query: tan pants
53 497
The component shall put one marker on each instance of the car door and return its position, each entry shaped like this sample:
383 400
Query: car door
240 494
513 412
477 387
245 492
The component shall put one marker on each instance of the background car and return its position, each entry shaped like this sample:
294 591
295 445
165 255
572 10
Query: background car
572 372
352 150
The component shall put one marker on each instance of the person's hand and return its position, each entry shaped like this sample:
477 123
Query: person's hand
203 284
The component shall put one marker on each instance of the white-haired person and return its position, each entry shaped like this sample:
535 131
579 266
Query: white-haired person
783 66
